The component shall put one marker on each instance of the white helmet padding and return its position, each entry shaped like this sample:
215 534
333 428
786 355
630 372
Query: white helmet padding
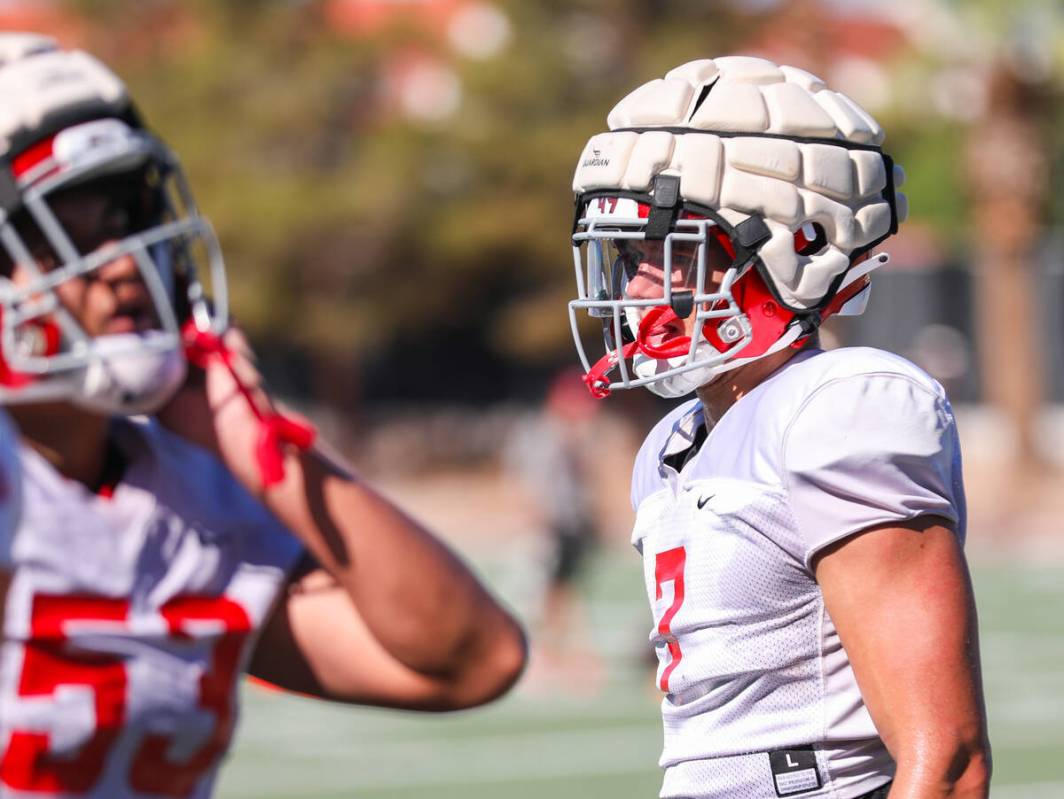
47 89
17 46
813 157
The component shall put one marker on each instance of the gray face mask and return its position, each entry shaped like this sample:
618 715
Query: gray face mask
171 246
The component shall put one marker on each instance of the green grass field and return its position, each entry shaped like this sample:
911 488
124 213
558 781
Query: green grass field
550 739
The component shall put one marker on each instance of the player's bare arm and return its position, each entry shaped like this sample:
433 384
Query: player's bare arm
390 616
144 575
902 600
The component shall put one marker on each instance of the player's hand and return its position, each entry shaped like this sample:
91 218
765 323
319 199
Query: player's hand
222 412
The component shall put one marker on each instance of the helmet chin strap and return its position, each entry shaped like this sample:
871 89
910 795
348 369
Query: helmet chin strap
124 377
275 428
683 382
657 320
595 379
667 379
122 373
783 330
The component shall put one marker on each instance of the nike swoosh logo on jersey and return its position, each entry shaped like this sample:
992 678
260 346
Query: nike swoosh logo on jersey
702 502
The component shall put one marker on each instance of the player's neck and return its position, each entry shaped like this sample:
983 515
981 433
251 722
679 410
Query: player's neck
71 439
718 395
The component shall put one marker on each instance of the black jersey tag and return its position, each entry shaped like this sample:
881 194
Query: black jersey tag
794 771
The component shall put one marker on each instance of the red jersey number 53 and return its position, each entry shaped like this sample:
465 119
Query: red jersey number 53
51 662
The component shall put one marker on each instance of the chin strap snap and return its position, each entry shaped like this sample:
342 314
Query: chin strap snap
595 379
275 429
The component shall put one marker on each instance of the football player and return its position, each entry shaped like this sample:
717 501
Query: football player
159 557
801 520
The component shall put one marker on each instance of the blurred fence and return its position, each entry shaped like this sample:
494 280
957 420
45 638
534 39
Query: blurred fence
928 315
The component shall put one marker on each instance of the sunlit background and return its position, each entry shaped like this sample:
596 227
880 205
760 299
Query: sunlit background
391 183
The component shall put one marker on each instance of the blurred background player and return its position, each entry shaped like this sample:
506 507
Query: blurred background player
157 558
552 454
802 521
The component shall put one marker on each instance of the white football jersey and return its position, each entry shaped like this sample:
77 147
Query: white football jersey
760 699
128 621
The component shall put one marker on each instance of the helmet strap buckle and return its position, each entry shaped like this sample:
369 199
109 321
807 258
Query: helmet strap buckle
665 206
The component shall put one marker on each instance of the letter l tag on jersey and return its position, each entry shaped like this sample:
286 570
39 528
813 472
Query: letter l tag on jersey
794 771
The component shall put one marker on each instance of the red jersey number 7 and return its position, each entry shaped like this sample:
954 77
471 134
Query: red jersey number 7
668 567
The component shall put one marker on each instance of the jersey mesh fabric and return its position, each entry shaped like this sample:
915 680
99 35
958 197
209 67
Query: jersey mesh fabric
178 532
829 445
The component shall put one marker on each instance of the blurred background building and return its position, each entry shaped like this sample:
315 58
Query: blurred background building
390 180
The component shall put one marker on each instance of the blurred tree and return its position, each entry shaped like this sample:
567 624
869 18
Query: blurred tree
374 240
1009 157
1007 163
385 242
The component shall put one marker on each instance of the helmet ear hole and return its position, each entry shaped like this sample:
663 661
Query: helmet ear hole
810 239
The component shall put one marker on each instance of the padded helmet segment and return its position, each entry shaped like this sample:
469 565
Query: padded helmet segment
46 89
749 138
16 46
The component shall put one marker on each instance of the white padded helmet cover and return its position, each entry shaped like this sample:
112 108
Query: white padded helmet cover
775 173
39 82
16 46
